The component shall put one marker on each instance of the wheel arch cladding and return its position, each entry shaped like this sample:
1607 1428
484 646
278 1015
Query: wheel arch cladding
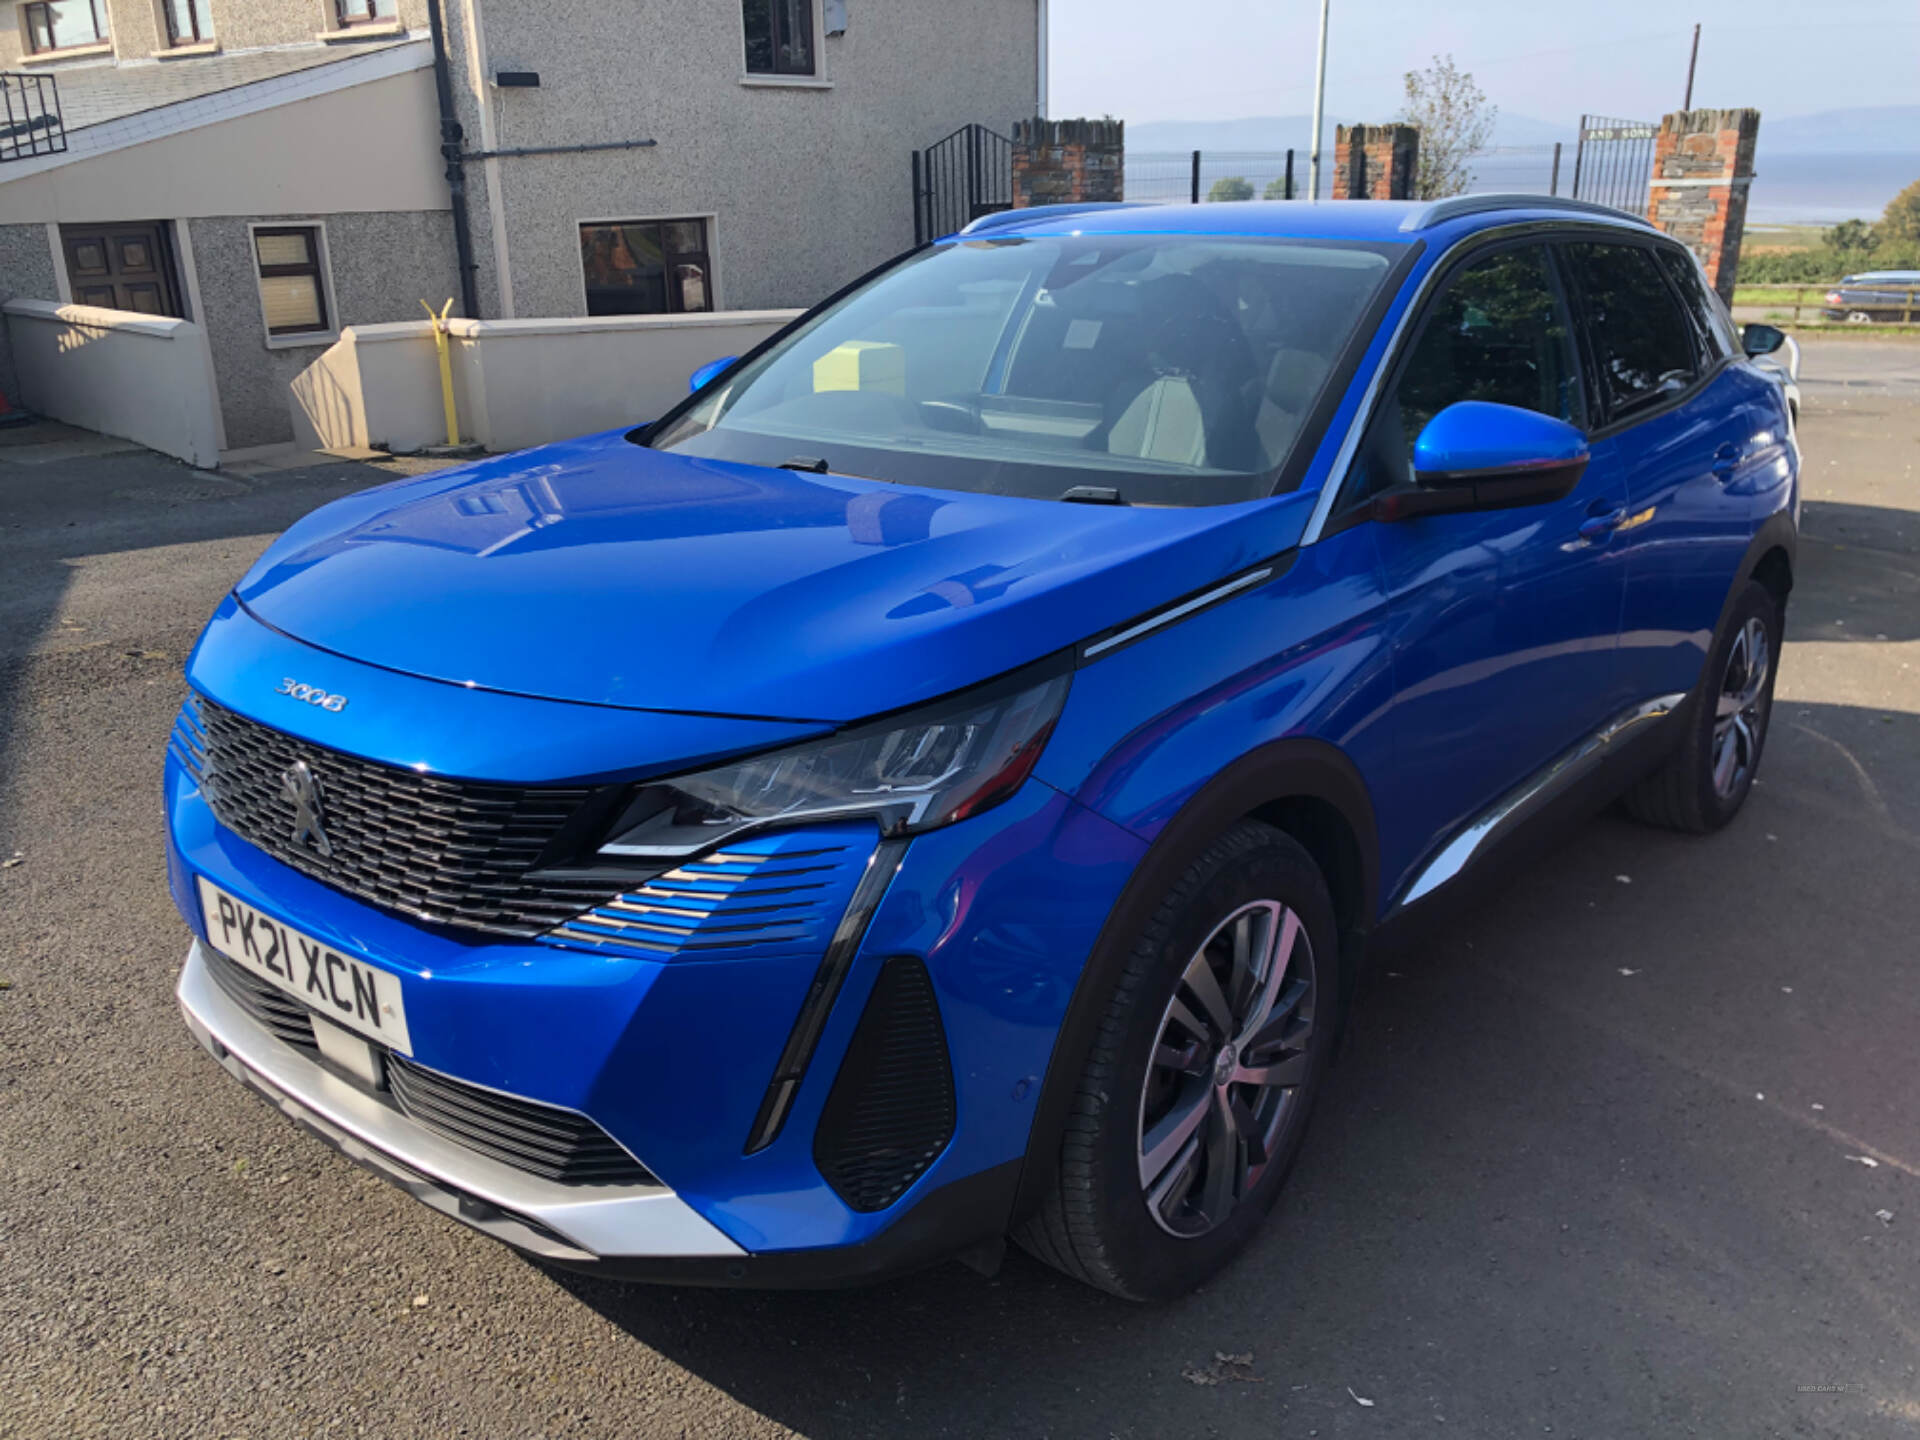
1306 788
1775 571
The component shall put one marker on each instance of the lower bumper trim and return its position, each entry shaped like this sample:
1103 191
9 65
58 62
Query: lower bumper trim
567 1224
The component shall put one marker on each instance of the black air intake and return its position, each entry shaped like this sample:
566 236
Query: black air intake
890 1113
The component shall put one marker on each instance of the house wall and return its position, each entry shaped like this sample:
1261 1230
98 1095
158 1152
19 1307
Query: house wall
383 265
809 184
26 273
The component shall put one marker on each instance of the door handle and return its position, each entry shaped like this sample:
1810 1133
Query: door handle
1601 523
1726 460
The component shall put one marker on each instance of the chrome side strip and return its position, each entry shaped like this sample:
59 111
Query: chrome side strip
1533 795
1186 607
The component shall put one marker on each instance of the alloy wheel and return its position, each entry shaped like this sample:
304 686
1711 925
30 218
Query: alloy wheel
1229 1056
1739 719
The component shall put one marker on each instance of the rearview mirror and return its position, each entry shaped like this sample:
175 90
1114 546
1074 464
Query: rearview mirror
1761 339
1476 455
698 380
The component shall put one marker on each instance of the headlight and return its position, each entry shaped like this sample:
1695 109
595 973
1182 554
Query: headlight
913 772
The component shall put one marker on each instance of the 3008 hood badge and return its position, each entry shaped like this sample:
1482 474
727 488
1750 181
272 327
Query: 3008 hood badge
312 694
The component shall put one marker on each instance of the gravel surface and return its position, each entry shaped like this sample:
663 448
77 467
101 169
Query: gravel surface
1629 1148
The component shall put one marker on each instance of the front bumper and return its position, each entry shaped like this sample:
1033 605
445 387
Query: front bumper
568 1223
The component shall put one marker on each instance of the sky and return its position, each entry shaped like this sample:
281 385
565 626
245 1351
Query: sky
1144 60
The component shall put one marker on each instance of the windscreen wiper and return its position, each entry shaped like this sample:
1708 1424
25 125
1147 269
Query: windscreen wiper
811 464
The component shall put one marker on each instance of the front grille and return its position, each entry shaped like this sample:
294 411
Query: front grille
891 1110
451 852
541 1139
272 1009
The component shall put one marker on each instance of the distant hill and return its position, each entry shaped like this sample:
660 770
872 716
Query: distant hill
1874 129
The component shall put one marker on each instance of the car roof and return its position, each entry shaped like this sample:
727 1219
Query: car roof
1903 277
1363 220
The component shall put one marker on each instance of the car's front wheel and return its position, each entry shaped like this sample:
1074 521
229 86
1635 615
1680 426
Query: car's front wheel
1195 1097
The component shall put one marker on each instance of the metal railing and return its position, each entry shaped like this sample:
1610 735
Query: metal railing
1199 176
30 121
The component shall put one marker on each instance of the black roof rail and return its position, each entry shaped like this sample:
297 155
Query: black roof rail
1455 206
1001 219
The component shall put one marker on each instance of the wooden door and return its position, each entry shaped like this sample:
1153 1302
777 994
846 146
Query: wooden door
122 267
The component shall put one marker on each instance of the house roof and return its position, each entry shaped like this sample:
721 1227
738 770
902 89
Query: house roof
94 94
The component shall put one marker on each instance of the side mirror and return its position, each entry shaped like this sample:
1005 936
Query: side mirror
1476 455
698 380
1761 339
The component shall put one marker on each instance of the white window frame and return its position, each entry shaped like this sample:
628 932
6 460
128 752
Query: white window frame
708 218
332 29
101 46
163 46
816 81
324 258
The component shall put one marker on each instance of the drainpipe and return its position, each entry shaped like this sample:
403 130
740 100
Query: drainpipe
450 137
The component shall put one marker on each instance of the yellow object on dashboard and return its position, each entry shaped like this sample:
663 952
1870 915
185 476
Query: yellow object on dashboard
862 365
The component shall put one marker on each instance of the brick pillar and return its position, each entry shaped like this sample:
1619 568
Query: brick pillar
1702 168
1375 162
1058 162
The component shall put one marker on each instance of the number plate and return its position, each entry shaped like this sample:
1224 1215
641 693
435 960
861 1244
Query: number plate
344 990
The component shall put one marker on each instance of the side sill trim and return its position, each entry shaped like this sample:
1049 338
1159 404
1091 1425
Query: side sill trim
1534 794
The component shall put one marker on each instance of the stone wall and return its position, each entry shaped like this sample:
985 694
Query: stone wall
1702 170
1375 162
1058 162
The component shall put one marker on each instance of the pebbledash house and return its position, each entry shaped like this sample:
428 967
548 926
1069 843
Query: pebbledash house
277 170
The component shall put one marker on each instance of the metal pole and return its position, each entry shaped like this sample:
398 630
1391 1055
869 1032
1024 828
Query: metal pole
1692 60
1289 174
1196 177
919 228
450 136
1319 104
1553 188
1579 153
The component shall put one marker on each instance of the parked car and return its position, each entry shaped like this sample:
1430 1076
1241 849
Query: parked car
939 781
1884 296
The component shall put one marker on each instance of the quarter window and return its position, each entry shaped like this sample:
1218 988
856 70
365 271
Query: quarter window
779 36
287 258
1710 317
64 24
187 22
1642 343
362 12
646 267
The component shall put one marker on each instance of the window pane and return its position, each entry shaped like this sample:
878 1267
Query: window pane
625 270
61 23
1716 326
291 302
685 237
284 249
1640 338
180 22
796 37
691 283
1499 335
758 15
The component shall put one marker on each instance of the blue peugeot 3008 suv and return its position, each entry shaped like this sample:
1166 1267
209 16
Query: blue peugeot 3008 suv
937 782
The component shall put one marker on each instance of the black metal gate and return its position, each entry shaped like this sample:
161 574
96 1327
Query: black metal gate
1614 162
965 176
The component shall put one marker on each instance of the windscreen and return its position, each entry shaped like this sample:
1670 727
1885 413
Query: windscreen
1173 369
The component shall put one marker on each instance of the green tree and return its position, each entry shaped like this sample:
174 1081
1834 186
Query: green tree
1231 187
1455 122
1276 189
1901 223
1851 235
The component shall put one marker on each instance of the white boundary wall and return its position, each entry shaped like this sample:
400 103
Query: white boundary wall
143 378
516 382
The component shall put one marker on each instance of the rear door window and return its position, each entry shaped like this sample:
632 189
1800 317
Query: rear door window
1642 343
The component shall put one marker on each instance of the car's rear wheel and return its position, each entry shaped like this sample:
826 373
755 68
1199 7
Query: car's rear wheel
1707 779
1195 1098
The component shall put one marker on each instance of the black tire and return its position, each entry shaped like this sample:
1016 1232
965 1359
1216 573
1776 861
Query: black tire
1685 793
1094 1223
